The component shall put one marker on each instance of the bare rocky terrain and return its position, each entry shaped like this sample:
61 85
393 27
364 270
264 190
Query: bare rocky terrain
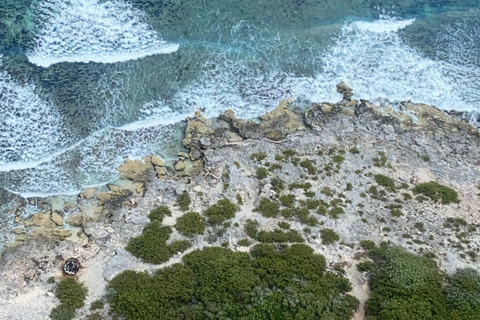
333 152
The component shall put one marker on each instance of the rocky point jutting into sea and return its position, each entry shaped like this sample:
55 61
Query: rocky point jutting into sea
352 167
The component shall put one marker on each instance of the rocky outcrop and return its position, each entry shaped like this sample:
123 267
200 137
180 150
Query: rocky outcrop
134 170
275 125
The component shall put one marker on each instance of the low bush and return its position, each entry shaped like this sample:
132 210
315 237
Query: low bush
184 201
262 173
463 294
287 200
220 211
437 192
385 182
216 283
268 208
404 286
71 295
329 236
151 246
277 184
308 164
279 236
159 213
190 224
259 156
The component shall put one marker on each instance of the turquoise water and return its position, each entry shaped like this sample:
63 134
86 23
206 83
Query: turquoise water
85 83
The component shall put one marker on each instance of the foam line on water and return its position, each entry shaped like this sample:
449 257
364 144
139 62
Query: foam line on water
93 31
30 127
372 58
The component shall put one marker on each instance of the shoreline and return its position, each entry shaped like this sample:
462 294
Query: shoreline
96 228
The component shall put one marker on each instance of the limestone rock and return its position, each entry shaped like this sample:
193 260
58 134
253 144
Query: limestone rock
62 233
134 170
98 210
57 218
345 90
197 127
180 165
160 172
275 124
88 193
103 197
156 161
197 189
75 219
42 219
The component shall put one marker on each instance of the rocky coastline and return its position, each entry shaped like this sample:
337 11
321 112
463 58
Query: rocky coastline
338 149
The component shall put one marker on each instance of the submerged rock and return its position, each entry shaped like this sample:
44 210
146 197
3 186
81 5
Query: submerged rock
135 170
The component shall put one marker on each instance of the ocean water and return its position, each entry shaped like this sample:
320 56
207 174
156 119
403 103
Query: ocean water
86 83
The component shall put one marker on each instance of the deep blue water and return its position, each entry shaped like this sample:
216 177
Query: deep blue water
85 83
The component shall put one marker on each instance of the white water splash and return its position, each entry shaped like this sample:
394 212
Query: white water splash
30 128
372 58
93 31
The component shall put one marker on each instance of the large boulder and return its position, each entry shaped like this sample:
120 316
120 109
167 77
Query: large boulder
134 170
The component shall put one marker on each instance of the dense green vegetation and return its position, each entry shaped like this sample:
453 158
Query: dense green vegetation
190 224
406 287
151 246
268 208
184 201
437 192
71 295
262 173
217 283
221 211
386 182
159 213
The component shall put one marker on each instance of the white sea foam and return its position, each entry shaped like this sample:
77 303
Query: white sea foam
93 31
30 127
372 58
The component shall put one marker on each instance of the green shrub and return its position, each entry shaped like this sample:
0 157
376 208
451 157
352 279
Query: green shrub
396 213
216 283
262 173
328 192
335 212
304 186
277 184
239 199
268 208
220 211
338 159
237 164
159 213
289 153
71 295
436 192
251 228
284 225
307 164
349 187
97 304
354 150
190 224
365 266
463 294
381 160
287 200
151 246
420 226
404 286
244 242
258 156
275 166
184 201
278 236
406 196
367 245
329 236
386 182
425 158
322 210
